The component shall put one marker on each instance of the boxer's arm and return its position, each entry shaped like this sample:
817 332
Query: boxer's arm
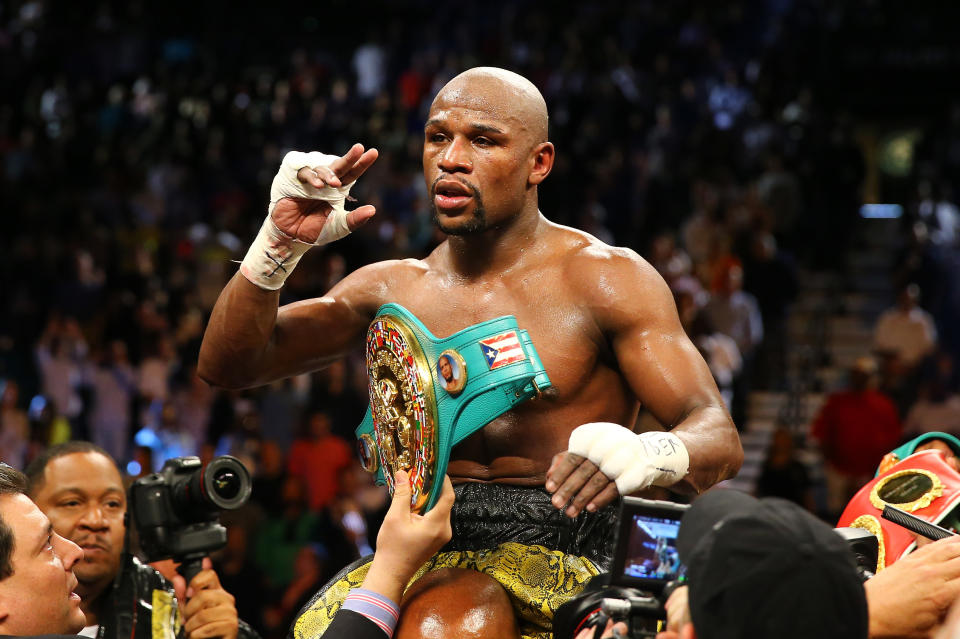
667 372
635 310
249 341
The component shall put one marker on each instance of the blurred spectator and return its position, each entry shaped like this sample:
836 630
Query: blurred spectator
114 385
61 358
239 576
340 399
779 189
771 277
719 351
318 458
268 479
855 428
735 313
938 405
906 330
939 212
280 537
308 577
281 405
192 404
783 474
14 427
671 261
156 369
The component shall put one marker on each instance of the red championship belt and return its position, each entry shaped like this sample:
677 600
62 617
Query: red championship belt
922 484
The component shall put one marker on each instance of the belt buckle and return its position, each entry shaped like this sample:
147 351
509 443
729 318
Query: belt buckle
403 406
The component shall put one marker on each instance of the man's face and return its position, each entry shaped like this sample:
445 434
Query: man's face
38 598
476 160
446 370
948 455
82 494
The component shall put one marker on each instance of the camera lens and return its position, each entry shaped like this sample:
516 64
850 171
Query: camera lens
226 483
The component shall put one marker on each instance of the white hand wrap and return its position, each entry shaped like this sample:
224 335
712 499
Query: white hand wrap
632 461
273 254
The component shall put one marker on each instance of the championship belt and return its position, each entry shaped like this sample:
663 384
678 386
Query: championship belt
904 451
429 394
923 484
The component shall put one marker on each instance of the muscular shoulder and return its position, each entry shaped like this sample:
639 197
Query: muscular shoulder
375 284
615 282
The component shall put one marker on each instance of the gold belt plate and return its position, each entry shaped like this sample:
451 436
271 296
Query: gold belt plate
403 405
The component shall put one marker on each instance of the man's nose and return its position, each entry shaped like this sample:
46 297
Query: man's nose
456 158
93 518
69 552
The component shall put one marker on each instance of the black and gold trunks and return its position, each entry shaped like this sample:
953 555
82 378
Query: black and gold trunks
486 515
541 557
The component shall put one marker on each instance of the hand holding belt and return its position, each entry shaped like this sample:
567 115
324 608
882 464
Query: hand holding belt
429 394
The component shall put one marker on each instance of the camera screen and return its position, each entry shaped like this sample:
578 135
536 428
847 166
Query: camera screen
651 551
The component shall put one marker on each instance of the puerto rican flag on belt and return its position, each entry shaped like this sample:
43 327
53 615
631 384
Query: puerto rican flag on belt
502 349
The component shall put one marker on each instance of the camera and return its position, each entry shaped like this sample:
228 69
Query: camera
646 569
177 511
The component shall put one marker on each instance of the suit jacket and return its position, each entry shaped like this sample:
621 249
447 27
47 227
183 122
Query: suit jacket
348 624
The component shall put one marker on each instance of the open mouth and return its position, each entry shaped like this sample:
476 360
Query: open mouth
450 195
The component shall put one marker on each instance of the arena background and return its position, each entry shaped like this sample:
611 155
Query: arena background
813 146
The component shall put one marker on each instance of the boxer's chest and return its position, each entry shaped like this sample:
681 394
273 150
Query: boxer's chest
563 332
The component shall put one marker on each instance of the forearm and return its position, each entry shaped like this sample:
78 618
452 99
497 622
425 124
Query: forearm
384 580
238 335
713 445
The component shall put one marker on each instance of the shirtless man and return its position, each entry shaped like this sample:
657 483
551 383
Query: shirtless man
602 320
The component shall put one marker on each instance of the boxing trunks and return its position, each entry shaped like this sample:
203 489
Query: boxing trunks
540 557
486 515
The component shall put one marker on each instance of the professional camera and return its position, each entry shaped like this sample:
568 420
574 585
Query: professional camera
177 511
646 569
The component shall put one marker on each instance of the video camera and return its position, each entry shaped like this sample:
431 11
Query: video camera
647 569
177 511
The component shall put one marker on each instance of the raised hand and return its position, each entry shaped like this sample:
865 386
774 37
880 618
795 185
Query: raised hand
303 218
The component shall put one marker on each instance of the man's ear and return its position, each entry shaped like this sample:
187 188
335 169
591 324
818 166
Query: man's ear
687 632
542 162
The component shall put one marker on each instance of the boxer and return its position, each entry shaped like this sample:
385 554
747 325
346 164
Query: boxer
601 319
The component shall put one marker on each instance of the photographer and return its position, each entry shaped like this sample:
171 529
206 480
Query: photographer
763 568
36 567
79 488
405 541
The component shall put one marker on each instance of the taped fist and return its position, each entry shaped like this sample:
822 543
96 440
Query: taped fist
309 193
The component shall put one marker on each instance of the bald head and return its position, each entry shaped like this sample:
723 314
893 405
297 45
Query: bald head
498 92
454 602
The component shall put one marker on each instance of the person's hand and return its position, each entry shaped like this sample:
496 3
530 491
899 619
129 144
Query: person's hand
911 597
612 630
678 609
406 539
951 626
208 610
577 481
302 218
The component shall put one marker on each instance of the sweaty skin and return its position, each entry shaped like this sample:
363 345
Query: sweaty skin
602 319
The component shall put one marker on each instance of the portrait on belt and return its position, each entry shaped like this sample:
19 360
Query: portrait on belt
451 371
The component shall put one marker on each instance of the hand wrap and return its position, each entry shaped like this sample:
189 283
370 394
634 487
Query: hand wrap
274 254
632 461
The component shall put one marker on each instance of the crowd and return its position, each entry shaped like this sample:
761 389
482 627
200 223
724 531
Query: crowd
137 153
